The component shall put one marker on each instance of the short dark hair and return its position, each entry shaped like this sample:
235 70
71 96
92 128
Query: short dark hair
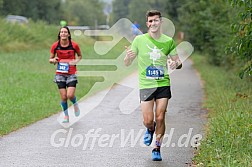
67 31
150 13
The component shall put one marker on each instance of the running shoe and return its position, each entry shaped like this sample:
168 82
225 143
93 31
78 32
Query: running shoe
148 136
156 156
66 119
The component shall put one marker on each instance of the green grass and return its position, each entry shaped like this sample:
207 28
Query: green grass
28 93
35 35
228 141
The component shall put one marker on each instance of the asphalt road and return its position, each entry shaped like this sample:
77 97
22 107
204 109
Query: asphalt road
110 133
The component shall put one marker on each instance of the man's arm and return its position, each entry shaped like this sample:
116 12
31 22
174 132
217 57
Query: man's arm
174 62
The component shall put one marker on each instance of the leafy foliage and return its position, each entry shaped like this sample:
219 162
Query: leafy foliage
120 9
16 37
207 26
227 140
135 10
77 12
88 13
241 46
47 10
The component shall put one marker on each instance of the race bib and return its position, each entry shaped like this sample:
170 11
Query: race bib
155 72
63 67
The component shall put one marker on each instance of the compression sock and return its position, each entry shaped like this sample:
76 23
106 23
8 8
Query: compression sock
64 107
158 144
73 100
76 107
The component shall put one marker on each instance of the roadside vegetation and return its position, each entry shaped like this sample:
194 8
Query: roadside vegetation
229 129
219 30
28 93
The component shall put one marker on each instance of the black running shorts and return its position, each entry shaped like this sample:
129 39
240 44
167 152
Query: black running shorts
155 93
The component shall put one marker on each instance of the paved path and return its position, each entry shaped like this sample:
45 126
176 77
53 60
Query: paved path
109 136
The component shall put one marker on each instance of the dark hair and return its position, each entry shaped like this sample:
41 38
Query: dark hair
67 31
150 13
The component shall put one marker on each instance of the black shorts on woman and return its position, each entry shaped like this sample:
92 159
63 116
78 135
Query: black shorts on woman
65 80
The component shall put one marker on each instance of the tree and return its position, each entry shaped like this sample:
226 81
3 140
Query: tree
241 47
135 10
120 9
1 6
88 13
138 14
171 8
47 10
52 11
14 7
207 27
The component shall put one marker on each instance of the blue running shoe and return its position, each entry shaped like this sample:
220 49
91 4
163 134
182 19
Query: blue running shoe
148 136
156 156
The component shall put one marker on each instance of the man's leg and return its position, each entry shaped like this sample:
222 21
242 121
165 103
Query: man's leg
148 115
148 120
161 105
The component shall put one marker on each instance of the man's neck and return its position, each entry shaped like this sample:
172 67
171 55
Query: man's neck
155 35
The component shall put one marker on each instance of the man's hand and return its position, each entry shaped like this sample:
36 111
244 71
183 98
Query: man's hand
130 56
174 63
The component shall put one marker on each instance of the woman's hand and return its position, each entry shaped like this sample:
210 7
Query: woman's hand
54 60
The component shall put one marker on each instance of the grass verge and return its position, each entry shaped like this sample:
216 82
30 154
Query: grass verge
229 131
28 92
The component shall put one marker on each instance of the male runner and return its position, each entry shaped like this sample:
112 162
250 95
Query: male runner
154 51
